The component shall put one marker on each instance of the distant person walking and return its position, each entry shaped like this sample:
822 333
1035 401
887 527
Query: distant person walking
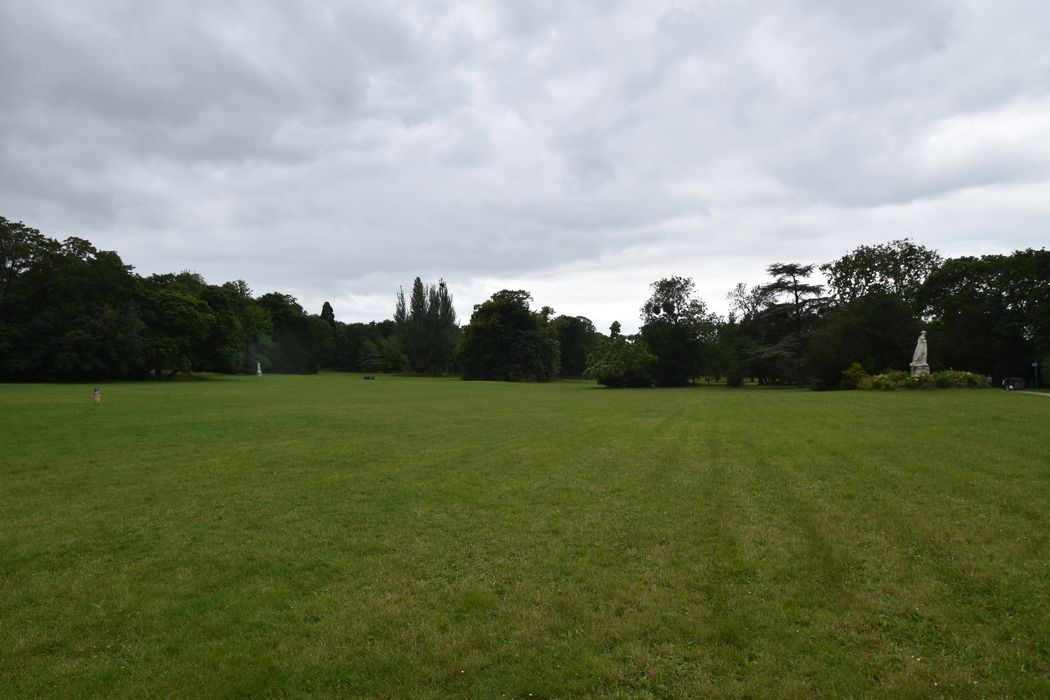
96 396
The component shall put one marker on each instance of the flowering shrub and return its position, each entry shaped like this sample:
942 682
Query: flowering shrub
948 379
954 378
882 381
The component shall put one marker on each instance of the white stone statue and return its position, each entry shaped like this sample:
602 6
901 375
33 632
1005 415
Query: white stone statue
919 356
919 364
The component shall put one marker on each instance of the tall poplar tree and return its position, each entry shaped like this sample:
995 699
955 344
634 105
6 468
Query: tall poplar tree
427 327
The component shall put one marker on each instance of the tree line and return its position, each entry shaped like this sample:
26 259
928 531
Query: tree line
70 311
988 314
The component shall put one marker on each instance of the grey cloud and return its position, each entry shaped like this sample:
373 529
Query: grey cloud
334 149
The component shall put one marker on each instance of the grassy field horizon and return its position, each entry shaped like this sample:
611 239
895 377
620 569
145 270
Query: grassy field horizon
411 537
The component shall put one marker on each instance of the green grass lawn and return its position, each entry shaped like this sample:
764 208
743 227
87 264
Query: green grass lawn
294 536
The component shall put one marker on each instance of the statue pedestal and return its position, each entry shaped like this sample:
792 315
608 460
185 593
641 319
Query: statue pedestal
919 368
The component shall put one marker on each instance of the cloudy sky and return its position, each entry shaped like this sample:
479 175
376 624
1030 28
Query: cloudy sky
579 150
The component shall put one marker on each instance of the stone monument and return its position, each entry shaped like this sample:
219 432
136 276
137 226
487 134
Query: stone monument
919 366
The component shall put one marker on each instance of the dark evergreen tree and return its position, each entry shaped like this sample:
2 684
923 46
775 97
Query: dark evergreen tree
789 308
328 314
370 359
325 331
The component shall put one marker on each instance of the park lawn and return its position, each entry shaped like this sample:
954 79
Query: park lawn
327 536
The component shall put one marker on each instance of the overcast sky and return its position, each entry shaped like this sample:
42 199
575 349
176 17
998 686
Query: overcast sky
579 150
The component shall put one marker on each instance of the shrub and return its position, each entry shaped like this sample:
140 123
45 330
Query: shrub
889 380
955 378
856 377
621 362
882 381
897 376
948 379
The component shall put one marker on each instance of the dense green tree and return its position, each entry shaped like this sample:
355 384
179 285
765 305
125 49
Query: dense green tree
326 333
677 329
990 314
877 330
577 339
621 361
324 329
350 347
386 328
898 268
507 341
240 332
728 354
348 338
179 322
370 359
295 337
874 314
21 250
393 359
67 310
